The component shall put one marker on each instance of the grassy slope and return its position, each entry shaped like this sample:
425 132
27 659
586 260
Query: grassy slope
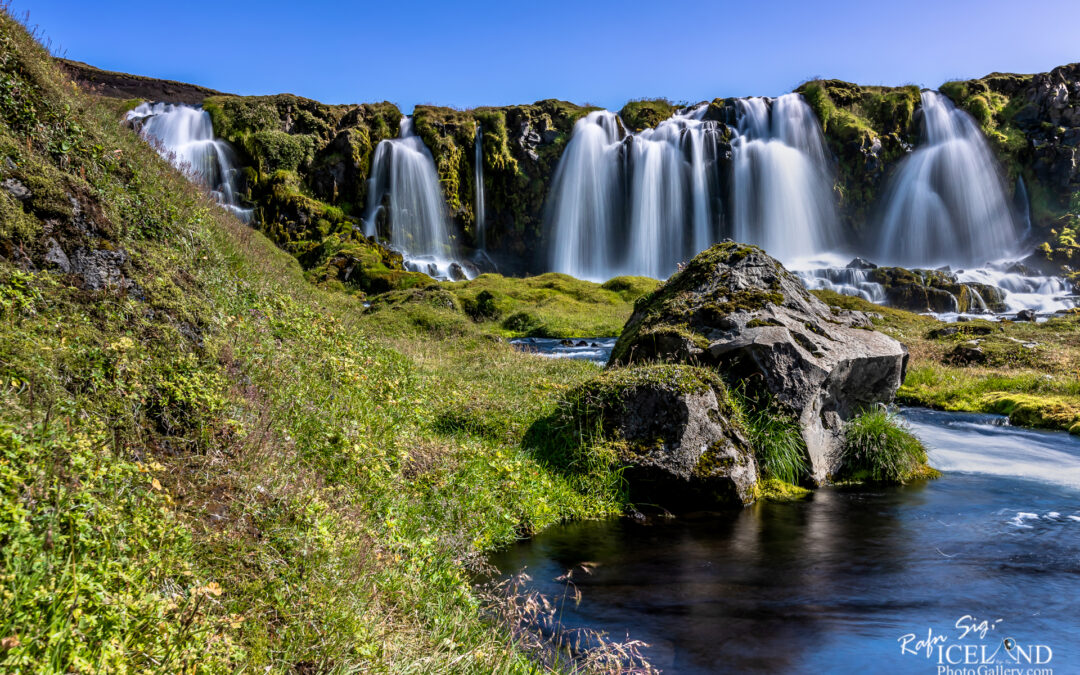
1035 385
238 468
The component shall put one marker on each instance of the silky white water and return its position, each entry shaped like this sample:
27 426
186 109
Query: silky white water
404 189
782 186
946 203
184 135
478 177
638 204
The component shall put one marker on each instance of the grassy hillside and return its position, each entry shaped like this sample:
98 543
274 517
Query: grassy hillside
208 464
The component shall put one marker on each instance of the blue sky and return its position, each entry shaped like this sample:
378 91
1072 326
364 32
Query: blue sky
604 53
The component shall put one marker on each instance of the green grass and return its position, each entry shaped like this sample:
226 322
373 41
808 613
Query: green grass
878 446
1030 372
778 444
550 305
226 467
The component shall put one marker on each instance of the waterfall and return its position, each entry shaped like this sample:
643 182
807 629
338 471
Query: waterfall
404 188
782 188
478 176
184 135
946 204
1022 207
634 203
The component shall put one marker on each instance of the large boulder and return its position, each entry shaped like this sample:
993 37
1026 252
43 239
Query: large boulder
671 427
738 311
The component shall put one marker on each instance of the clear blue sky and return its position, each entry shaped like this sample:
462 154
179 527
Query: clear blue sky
604 53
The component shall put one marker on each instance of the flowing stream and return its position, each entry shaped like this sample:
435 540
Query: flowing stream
184 135
835 583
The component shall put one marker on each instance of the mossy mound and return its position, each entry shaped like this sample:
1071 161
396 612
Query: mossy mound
550 305
684 308
646 113
868 129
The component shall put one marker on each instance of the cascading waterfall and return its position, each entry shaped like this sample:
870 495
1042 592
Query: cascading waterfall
404 189
184 135
478 175
782 190
634 203
946 204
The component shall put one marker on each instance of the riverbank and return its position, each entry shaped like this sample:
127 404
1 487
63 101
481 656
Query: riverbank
1025 370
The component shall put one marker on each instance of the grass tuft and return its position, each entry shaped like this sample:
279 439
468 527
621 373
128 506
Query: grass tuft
878 446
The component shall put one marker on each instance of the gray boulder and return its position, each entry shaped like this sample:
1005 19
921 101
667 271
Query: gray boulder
738 311
673 429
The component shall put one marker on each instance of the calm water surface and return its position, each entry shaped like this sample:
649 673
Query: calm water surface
834 583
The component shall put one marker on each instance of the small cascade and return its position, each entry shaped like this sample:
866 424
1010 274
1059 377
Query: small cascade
184 135
478 177
782 188
946 203
403 192
843 280
634 203
1019 290
976 303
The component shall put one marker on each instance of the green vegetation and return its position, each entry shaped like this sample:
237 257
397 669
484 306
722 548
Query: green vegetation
868 129
778 444
550 305
210 464
879 447
1029 370
646 113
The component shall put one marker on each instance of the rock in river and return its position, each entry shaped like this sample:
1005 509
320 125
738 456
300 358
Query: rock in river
738 311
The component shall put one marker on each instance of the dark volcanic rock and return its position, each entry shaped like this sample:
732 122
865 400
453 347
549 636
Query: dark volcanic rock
737 310
673 428
1025 315
99 269
966 355
861 264
123 85
935 291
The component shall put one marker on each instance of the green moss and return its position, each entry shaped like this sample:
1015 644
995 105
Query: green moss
15 224
774 490
678 309
646 113
868 129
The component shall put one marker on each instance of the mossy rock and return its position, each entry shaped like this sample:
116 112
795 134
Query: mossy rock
646 113
673 428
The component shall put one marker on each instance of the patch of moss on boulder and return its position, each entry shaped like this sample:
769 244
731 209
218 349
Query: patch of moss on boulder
672 427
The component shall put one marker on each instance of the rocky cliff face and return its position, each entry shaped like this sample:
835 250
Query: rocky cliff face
308 163
521 149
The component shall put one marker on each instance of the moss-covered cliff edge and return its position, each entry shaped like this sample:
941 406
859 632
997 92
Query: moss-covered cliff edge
307 163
